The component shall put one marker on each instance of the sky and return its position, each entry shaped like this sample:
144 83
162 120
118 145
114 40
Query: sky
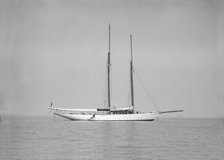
56 50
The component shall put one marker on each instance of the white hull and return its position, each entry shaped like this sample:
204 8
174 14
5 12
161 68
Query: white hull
110 117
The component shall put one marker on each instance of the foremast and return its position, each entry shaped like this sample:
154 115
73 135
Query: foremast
131 77
108 73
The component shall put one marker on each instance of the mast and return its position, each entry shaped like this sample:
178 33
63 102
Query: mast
108 72
131 75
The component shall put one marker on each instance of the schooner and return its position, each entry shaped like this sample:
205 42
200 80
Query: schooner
110 113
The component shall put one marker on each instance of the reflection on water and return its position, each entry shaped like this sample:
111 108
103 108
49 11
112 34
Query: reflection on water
49 138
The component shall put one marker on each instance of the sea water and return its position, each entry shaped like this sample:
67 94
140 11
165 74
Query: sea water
52 138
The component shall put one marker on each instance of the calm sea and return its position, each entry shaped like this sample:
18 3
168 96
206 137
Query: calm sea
49 138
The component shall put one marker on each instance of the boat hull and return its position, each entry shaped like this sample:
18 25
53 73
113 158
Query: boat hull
109 117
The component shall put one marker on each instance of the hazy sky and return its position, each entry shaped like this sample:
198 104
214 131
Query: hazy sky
56 50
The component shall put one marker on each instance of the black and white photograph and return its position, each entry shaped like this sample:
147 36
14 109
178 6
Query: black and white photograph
111 79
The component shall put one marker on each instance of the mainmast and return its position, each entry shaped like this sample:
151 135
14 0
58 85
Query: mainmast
108 72
131 75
